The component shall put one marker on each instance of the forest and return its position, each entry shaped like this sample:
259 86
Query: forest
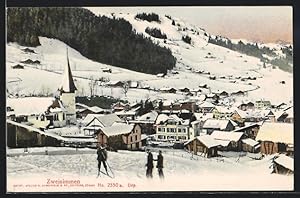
106 40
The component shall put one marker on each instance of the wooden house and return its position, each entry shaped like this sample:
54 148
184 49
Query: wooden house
106 70
237 93
206 107
119 106
203 145
249 130
22 136
283 164
250 145
229 141
120 136
168 90
211 125
116 83
147 122
18 66
276 138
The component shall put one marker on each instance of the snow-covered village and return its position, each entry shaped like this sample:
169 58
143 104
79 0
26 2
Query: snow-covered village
219 119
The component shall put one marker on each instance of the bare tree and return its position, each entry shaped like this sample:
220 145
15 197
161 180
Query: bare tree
92 86
125 88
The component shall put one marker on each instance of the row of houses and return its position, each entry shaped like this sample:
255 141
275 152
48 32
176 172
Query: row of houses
271 138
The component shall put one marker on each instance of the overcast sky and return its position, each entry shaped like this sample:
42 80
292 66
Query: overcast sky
256 23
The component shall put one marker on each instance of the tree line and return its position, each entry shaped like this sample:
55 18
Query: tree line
253 50
107 40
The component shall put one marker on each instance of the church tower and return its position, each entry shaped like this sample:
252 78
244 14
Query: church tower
67 93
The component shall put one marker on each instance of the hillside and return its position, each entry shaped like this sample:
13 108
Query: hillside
194 61
100 38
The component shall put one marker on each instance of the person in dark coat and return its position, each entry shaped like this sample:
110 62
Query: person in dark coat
101 157
160 164
149 165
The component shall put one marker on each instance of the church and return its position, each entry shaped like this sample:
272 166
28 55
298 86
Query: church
46 112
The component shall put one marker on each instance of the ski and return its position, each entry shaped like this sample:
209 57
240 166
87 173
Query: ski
106 174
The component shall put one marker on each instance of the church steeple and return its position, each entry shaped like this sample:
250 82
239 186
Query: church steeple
67 85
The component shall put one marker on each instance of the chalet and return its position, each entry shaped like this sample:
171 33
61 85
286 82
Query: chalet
91 110
168 90
221 112
229 141
184 89
283 164
119 106
262 104
18 66
211 125
250 145
212 98
280 106
189 105
172 128
115 83
212 77
29 61
203 145
203 86
147 122
206 107
221 93
238 93
245 106
22 135
276 138
251 116
120 136
133 84
128 114
106 70
40 112
249 130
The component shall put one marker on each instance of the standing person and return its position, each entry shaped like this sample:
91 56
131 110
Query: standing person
101 157
160 164
149 164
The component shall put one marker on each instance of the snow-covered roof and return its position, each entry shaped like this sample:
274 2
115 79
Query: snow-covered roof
216 124
65 131
276 132
206 104
103 120
223 109
30 105
285 161
83 106
33 129
129 112
248 126
67 84
148 117
253 113
208 141
203 116
118 129
229 136
95 109
250 142
161 118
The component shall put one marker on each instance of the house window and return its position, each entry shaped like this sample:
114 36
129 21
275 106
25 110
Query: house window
159 129
131 139
168 130
183 130
163 130
179 130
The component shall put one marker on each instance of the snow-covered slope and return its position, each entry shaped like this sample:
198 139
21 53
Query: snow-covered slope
191 58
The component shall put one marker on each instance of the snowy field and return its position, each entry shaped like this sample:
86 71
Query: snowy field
33 170
200 55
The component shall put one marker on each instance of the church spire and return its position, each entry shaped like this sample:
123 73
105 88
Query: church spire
67 84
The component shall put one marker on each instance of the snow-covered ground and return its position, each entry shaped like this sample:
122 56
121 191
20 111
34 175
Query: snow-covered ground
200 55
182 173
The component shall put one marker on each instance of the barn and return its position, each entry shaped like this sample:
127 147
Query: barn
229 141
276 138
204 145
283 164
